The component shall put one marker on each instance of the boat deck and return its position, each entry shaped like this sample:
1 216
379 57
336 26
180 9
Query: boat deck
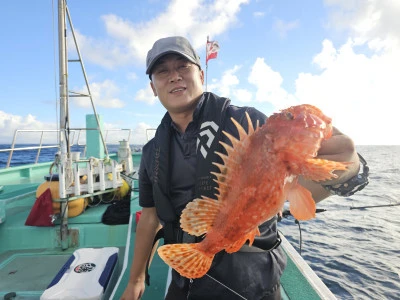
28 272
29 262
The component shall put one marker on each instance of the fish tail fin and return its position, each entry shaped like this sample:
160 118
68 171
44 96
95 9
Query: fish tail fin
302 204
186 259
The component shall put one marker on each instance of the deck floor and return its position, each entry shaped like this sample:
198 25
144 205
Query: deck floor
30 271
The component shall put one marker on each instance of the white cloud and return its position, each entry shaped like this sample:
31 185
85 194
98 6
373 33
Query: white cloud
132 76
146 95
105 53
104 94
114 134
30 130
368 20
259 14
358 82
283 27
139 135
357 90
268 84
9 123
228 82
243 95
227 86
143 133
193 19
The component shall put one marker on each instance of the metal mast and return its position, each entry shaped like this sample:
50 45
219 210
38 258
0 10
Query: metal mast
64 120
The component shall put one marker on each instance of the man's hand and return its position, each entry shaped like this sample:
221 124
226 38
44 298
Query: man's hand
133 291
338 148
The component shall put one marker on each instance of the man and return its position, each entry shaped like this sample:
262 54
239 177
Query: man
176 167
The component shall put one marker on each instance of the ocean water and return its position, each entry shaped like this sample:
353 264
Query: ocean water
356 252
29 156
19 158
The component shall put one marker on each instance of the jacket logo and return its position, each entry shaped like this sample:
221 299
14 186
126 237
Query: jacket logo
208 131
156 164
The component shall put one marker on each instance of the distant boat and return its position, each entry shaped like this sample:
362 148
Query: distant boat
80 257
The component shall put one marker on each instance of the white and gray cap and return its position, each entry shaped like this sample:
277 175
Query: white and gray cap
168 45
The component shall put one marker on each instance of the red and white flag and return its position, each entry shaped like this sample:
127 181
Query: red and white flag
212 50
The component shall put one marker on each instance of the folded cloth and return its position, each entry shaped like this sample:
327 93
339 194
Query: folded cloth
41 211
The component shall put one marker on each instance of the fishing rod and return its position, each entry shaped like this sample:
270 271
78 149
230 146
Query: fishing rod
374 206
286 213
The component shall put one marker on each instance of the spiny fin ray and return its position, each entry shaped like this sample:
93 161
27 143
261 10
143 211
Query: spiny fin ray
250 124
321 169
238 244
242 132
233 140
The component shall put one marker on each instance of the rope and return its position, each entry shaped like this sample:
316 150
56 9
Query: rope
228 288
54 68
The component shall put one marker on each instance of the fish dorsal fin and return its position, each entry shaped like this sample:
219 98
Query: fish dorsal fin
234 157
199 215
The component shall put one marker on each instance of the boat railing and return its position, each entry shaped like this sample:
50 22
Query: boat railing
75 140
150 132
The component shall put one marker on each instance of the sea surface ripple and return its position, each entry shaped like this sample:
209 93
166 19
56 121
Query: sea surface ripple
356 252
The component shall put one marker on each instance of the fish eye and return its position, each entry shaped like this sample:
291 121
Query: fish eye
289 115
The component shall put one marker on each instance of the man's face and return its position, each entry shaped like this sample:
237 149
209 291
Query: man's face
177 82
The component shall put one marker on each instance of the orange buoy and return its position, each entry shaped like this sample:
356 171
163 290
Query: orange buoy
75 207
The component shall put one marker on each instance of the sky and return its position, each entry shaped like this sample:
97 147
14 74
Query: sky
341 55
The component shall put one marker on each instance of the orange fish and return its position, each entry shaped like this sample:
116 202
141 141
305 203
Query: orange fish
259 173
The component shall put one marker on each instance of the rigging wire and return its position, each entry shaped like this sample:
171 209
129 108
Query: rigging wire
54 68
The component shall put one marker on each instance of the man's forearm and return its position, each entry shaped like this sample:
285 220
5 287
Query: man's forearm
145 232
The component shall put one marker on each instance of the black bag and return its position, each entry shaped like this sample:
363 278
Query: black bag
118 212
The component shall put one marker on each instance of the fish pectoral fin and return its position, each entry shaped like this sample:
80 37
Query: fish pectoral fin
302 205
322 169
239 243
199 215
186 259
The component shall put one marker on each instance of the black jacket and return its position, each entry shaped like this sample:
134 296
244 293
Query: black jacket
251 274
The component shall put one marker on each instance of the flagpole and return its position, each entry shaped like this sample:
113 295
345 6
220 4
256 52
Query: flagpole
206 63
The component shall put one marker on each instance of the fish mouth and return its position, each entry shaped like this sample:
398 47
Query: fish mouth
177 89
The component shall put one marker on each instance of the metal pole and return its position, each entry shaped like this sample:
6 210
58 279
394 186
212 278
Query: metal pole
63 73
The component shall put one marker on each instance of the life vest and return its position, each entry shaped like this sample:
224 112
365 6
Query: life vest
212 117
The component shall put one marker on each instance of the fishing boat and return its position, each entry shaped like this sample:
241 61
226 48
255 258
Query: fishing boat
78 255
